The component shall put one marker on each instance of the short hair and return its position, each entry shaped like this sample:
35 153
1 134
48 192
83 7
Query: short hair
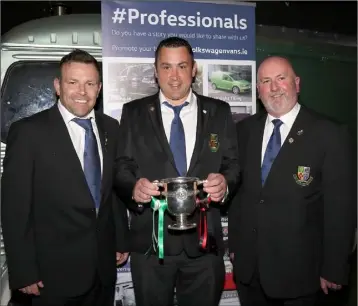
173 42
79 56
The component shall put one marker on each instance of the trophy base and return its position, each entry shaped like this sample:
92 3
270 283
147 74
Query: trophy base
181 227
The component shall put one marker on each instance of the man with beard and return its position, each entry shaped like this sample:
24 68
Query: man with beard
291 222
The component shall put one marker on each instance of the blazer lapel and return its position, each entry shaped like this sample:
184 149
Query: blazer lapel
103 135
63 146
295 136
202 121
155 114
297 130
254 149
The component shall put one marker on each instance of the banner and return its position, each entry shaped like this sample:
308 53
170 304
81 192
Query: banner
223 40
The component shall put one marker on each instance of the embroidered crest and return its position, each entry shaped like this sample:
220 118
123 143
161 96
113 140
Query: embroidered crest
214 142
303 177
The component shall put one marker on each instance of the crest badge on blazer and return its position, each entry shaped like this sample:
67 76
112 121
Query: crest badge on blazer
214 143
303 177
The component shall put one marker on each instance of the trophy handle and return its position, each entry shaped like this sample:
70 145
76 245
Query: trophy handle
158 183
200 182
202 202
161 184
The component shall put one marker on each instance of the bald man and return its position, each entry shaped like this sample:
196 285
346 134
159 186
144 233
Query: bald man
291 223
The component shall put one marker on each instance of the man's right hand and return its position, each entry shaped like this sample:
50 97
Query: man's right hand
144 190
33 289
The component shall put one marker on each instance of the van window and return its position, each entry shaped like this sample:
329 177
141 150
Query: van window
28 89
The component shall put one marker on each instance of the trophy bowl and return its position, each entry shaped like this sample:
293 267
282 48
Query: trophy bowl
180 194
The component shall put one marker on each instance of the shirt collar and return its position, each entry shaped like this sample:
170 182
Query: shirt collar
289 118
191 99
68 116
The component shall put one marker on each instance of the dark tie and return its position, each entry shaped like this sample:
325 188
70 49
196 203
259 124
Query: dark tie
177 139
273 147
91 160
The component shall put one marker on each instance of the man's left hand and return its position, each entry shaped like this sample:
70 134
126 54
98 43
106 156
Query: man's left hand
121 258
216 186
325 285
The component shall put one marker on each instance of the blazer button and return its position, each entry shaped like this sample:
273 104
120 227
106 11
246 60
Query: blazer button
254 230
261 201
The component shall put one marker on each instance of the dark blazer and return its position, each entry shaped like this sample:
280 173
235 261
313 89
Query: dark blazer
145 153
293 230
50 228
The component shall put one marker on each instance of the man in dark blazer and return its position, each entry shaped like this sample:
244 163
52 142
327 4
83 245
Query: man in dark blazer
147 154
62 224
291 222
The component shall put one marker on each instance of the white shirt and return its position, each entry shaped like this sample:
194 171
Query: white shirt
77 133
189 118
287 119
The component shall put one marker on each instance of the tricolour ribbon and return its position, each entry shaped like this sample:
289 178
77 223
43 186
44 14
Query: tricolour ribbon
161 206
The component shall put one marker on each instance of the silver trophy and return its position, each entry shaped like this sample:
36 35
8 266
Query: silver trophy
180 196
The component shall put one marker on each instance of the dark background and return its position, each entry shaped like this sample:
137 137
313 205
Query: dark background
338 17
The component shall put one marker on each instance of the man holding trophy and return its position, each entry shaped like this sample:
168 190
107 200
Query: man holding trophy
177 166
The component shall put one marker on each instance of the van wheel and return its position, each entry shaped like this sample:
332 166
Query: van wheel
236 90
213 86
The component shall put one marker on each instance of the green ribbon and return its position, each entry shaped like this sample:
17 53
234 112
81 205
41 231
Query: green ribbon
160 205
